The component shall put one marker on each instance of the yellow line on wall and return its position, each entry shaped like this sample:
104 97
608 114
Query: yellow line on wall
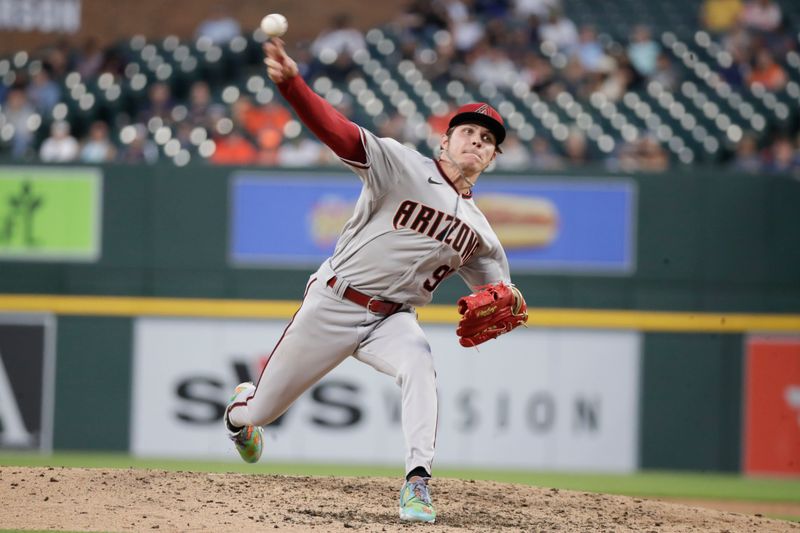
665 321
135 306
442 314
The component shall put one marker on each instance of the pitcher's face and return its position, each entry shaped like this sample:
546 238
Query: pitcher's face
471 146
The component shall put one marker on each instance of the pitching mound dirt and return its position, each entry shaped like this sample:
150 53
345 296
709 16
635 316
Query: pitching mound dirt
80 499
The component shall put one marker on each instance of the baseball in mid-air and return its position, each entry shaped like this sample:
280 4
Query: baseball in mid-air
274 25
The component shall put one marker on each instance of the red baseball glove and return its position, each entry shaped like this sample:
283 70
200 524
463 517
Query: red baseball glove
493 310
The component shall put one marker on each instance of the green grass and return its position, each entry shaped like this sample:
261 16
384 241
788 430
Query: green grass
688 485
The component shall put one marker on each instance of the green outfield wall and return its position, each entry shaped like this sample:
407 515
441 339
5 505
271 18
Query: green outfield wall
704 242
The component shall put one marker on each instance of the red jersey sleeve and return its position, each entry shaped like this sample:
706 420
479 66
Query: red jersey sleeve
331 127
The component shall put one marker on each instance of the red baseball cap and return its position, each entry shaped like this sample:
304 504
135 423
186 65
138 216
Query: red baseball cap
483 115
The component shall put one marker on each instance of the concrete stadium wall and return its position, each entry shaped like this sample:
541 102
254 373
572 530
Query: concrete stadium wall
110 21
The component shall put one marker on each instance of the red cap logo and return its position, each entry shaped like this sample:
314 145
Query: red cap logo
482 114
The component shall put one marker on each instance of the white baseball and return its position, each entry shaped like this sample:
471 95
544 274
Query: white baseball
274 25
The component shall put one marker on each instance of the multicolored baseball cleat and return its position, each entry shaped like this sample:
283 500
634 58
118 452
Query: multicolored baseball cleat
415 502
249 440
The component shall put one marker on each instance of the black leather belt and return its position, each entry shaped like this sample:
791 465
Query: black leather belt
379 307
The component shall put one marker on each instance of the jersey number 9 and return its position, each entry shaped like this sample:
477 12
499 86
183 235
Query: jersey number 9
438 276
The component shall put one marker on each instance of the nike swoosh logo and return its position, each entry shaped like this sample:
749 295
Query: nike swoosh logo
431 180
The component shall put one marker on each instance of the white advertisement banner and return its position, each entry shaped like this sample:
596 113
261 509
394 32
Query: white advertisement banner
537 398
41 15
27 381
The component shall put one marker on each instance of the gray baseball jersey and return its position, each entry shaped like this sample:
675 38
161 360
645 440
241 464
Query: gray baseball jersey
411 229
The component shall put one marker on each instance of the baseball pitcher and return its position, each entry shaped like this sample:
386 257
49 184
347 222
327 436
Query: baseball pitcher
415 224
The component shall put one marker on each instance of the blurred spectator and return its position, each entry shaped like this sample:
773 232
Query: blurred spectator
796 167
113 63
43 92
532 29
560 31
183 134
407 49
340 38
543 157
90 59
497 33
733 68
738 41
761 16
159 104
220 27
397 126
590 53
98 147
576 148
60 146
300 152
573 79
665 73
614 80
643 155
782 158
254 119
268 142
719 16
233 148
335 46
306 63
633 79
539 8
392 126
490 9
217 120
443 65
643 51
746 158
767 72
423 18
199 108
60 59
467 32
518 40
514 156
651 156
537 72
18 114
490 64
456 11
624 160
139 149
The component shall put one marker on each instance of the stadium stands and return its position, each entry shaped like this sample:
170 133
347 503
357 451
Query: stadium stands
659 83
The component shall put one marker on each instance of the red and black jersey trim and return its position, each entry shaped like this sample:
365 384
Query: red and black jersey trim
310 283
358 164
466 195
240 404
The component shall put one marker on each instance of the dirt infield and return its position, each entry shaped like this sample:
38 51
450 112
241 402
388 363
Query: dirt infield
81 499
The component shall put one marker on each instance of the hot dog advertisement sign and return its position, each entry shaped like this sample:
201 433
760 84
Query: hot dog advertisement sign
579 226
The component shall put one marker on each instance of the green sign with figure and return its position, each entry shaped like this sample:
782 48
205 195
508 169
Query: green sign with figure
50 214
